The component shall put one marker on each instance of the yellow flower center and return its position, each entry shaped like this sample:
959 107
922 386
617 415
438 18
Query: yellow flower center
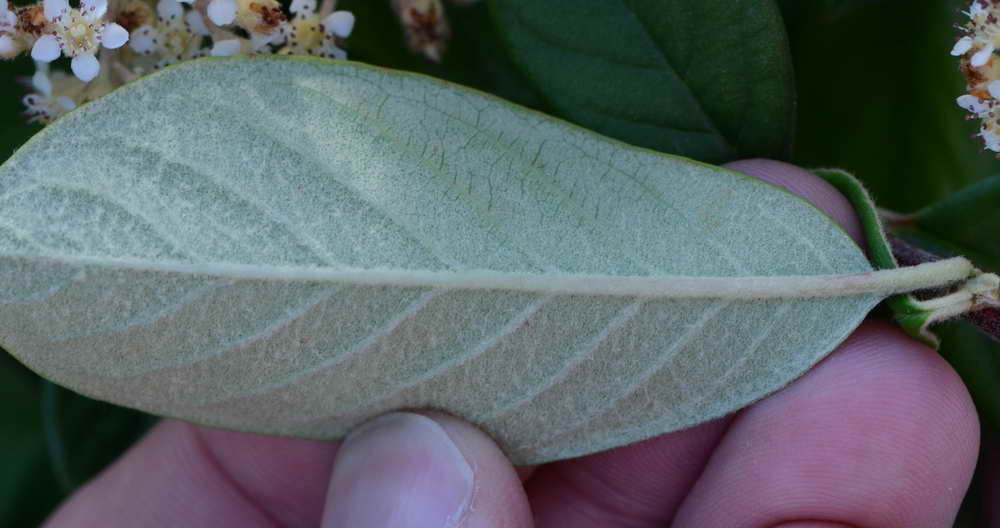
78 35
306 36
177 42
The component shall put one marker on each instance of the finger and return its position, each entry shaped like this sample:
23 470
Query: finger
882 433
409 470
634 486
814 189
644 484
183 475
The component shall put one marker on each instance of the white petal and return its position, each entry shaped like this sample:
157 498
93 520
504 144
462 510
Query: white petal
8 47
259 42
46 49
991 139
169 10
65 103
54 8
113 36
225 48
7 19
962 46
971 103
85 67
42 83
141 40
994 89
196 23
3 5
339 23
982 56
222 12
93 9
303 8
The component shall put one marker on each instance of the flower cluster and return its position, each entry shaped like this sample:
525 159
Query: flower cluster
982 70
109 44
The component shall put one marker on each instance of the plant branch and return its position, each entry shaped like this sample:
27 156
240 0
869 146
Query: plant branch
985 314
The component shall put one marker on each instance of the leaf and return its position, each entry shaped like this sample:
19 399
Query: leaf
908 311
967 222
711 80
86 434
831 10
26 484
83 436
977 363
15 130
877 92
331 241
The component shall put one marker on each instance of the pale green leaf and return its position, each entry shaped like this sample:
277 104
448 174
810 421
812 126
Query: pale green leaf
293 246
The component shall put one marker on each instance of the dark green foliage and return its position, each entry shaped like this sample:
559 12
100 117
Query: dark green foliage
876 97
711 80
53 441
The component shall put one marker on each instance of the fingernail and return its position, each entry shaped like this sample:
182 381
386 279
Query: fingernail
400 470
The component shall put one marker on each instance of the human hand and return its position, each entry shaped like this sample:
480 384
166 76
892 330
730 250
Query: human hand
882 433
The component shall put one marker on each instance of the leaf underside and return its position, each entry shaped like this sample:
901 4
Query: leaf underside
300 167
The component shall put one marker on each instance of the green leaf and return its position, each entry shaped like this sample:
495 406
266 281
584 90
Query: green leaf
877 93
53 441
83 436
27 490
966 223
333 241
974 357
914 317
15 130
711 80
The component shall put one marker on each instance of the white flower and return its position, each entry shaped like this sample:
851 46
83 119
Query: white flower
339 23
303 8
963 45
8 18
175 37
171 12
311 33
976 10
44 106
8 47
79 33
196 23
972 104
222 12
225 48
981 57
990 137
144 40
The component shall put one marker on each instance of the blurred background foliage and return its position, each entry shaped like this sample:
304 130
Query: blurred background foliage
873 91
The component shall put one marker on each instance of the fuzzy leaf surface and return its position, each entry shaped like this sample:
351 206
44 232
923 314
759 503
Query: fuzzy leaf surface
292 246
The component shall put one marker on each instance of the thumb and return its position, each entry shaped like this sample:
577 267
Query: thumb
409 470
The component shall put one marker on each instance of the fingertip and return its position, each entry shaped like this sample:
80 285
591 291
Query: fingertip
808 186
881 433
412 470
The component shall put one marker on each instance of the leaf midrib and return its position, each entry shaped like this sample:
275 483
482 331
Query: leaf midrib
664 286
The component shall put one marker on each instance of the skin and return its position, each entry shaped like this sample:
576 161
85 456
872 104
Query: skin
881 433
